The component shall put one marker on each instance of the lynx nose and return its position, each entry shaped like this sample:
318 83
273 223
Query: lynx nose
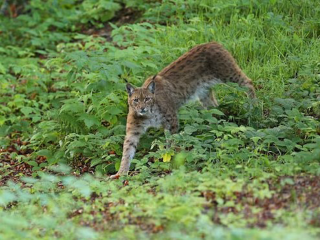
143 110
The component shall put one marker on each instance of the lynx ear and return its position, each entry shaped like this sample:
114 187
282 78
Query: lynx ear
154 77
130 89
152 86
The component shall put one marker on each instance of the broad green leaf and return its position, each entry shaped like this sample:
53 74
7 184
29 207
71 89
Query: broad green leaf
44 152
27 110
95 162
2 69
89 120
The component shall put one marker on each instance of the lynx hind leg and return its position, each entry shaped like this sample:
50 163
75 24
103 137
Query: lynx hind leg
209 100
171 123
171 126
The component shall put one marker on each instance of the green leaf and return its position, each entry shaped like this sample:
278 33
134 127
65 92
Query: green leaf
33 163
2 69
76 107
2 120
44 152
113 110
190 129
117 165
216 112
95 162
6 197
77 144
89 120
26 110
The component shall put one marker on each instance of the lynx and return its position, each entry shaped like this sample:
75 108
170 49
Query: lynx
192 75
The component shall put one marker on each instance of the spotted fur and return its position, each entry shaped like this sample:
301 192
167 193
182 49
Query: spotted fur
156 103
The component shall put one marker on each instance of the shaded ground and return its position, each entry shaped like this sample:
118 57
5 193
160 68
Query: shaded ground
298 193
123 16
12 169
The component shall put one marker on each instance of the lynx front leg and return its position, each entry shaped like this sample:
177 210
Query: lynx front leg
134 130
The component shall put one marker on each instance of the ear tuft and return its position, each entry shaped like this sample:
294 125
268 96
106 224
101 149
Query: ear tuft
130 89
154 77
152 86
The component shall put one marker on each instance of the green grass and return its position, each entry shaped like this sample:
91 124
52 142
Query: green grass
240 171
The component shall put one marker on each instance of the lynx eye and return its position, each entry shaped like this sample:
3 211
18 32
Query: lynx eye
136 100
147 99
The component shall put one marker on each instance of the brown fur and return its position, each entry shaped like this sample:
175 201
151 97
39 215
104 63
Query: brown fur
156 103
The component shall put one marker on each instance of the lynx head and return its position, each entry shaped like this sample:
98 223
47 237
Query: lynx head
141 100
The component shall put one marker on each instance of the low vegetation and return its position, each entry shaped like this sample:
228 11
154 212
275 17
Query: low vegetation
241 171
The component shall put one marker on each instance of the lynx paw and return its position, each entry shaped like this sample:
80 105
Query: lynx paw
118 174
115 176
